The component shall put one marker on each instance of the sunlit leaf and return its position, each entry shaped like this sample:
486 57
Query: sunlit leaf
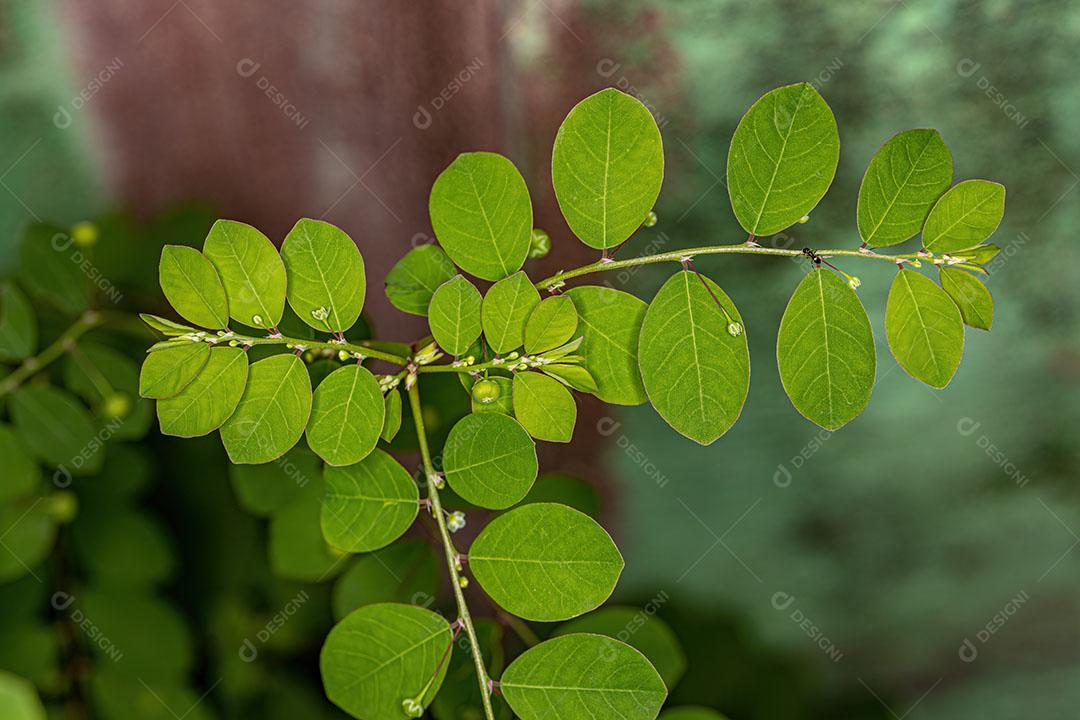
544 407
57 429
978 255
454 315
482 214
272 413
210 399
490 460
414 279
583 677
551 323
545 562
192 286
573 376
405 572
326 281
825 350
506 309
368 505
782 159
18 324
347 415
964 216
251 270
18 699
696 372
165 373
165 326
610 323
642 630
971 296
924 328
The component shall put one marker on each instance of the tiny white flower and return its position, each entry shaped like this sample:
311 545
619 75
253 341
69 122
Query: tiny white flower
456 521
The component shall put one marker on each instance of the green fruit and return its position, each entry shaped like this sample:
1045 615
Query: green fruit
85 234
117 405
486 392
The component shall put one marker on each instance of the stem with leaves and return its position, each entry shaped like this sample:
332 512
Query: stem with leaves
63 344
451 552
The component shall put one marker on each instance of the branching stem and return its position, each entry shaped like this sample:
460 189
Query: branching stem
321 345
63 344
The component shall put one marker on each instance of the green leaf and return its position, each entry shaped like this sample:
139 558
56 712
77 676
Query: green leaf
545 562
28 531
414 279
392 415
368 505
482 215
825 350
782 159
165 373
979 255
21 473
454 315
298 550
103 377
18 699
573 376
965 216
405 572
639 628
126 550
192 286
924 329
610 325
55 427
251 270
903 181
506 308
168 328
689 712
50 268
503 404
18 324
210 399
607 167
971 296
550 324
382 655
696 373
347 415
122 618
490 461
544 407
583 677
326 282
264 489
272 413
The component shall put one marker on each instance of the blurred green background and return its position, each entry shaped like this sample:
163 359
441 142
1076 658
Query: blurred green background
919 564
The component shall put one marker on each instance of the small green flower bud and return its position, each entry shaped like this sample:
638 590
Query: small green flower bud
734 329
85 234
117 405
540 244
854 282
463 582
62 506
486 392
650 220
804 219
412 708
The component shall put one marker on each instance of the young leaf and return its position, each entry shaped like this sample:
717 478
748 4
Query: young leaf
782 159
924 329
544 407
414 279
168 328
18 325
505 310
382 655
405 572
454 315
482 215
21 473
545 562
50 268
55 427
251 271
573 376
903 181
211 397
392 416
646 633
550 324
368 505
825 350
326 282
965 216
971 296
583 677
263 489
502 403
607 167
272 413
696 372
978 255
165 373
490 461
347 414
192 287
610 323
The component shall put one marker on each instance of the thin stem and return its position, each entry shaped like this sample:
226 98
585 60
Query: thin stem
450 368
451 553
321 345
678 255
63 344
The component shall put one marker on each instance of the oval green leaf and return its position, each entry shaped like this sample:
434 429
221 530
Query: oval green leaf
192 286
696 373
610 325
18 324
211 397
56 428
392 416
251 271
924 329
544 407
551 323
272 413
825 350
347 415
414 278
965 216
573 376
490 461
607 167
506 309
782 159
454 315
583 677
545 562
326 282
368 505
482 215
167 372
971 296
381 655
903 181
21 473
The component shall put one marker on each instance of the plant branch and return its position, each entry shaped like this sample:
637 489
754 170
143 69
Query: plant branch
451 553
361 348
63 344
678 255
